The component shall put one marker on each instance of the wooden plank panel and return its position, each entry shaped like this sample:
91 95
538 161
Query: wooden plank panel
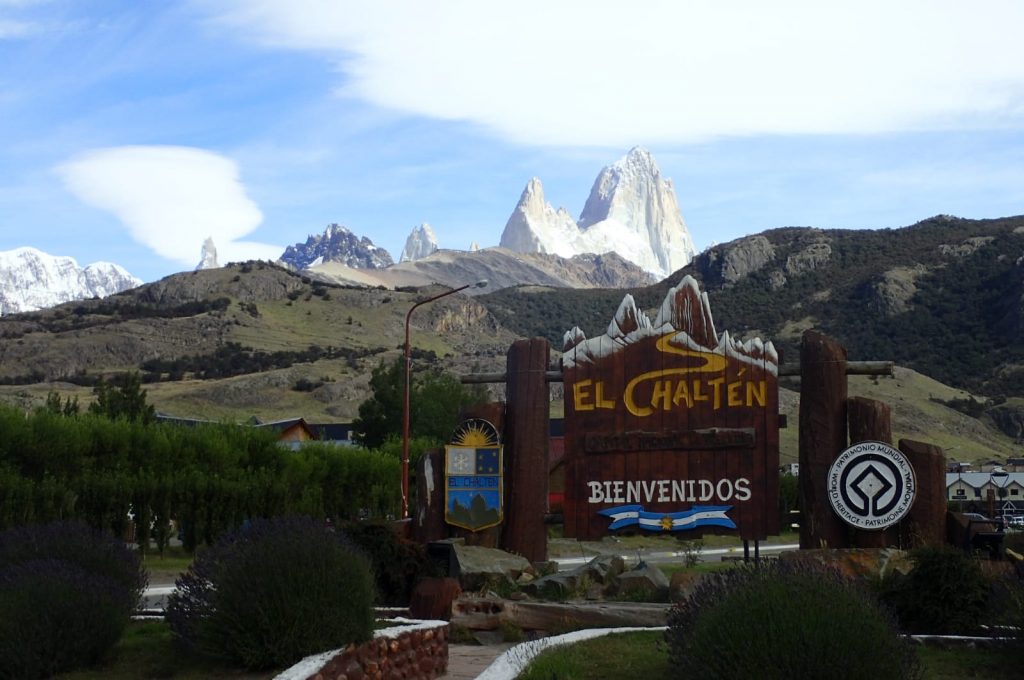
667 410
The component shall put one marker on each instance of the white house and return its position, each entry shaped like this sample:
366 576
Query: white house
973 490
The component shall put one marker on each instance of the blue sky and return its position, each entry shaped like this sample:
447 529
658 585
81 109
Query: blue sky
130 131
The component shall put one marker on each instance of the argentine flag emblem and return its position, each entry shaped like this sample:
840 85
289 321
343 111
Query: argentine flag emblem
697 516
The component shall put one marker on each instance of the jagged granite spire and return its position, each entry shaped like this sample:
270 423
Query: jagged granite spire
208 255
536 227
631 197
421 243
631 211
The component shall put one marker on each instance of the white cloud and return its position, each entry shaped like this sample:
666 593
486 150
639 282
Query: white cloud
171 199
14 29
608 72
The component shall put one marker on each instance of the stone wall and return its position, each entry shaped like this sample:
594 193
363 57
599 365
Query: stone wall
417 650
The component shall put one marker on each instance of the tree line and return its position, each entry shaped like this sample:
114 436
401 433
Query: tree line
209 478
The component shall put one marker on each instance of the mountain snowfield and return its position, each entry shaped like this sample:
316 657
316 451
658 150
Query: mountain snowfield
631 211
32 280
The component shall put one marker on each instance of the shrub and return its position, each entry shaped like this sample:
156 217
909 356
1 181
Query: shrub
66 594
945 593
273 592
56 616
781 620
93 551
397 565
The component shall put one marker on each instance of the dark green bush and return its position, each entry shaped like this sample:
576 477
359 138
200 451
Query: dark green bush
94 551
945 593
273 592
397 565
784 621
56 616
66 594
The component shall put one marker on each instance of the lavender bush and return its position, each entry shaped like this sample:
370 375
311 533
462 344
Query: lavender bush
76 543
785 621
273 592
66 594
57 616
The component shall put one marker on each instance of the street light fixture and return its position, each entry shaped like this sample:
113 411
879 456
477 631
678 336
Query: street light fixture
405 406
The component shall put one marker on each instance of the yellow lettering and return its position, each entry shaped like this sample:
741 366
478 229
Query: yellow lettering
697 394
716 383
599 396
682 394
714 363
581 395
735 393
664 393
757 391
661 394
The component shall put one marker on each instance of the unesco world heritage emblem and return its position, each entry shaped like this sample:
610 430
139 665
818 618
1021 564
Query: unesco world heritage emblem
871 485
473 476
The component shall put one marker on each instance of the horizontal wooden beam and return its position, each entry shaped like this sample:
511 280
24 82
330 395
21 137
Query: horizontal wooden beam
852 368
480 378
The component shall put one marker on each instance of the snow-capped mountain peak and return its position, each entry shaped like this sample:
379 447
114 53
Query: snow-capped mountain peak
208 255
632 210
421 243
31 279
631 199
536 227
337 244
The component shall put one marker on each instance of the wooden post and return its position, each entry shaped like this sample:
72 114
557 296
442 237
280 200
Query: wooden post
925 524
428 518
526 449
871 420
822 437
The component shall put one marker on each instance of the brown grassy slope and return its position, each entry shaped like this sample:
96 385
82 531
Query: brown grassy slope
915 416
267 309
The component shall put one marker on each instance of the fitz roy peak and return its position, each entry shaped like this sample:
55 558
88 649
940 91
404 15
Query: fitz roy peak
632 210
31 279
421 243
337 244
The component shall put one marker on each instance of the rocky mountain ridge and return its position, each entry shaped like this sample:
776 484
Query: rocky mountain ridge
336 244
942 298
31 279
500 267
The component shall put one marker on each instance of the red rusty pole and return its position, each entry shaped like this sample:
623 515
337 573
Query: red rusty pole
405 406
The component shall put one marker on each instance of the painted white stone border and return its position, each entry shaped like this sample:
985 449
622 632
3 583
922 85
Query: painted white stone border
312 664
510 664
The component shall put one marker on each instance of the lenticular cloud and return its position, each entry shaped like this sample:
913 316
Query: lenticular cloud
170 198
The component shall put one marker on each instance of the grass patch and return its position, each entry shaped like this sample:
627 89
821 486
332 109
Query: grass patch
147 650
699 568
644 655
962 662
612 657
167 568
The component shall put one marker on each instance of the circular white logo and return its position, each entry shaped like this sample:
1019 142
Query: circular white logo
871 485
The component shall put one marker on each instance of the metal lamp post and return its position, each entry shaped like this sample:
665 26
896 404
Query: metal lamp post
408 373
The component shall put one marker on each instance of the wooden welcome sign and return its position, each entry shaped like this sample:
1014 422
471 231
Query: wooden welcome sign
669 427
